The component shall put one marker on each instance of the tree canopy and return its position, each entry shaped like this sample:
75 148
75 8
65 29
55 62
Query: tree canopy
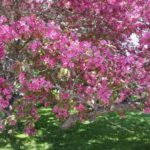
76 57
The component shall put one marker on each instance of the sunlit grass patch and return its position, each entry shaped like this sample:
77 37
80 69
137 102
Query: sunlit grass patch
108 132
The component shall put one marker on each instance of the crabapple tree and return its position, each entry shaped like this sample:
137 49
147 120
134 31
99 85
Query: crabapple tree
77 57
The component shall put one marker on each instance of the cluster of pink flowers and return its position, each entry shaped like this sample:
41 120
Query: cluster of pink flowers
61 113
147 107
29 129
1 52
80 108
37 84
5 93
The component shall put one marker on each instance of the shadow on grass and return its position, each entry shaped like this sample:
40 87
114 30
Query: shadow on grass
107 133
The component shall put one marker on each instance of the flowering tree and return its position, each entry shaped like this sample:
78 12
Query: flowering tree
76 57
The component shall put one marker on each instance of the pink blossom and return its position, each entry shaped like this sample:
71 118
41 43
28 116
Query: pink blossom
1 52
3 19
147 110
22 78
104 94
80 107
2 80
6 91
34 46
29 129
4 103
61 112
38 83
65 96
13 122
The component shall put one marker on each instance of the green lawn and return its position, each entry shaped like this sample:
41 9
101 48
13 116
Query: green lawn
107 133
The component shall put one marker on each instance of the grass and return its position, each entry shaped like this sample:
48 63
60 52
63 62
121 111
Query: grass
109 132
